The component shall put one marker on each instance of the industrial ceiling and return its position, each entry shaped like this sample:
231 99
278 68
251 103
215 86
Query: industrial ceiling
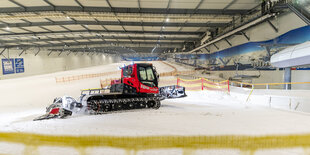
115 26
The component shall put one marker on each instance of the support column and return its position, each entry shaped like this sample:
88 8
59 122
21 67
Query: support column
287 77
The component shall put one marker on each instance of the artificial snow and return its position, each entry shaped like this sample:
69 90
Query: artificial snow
200 113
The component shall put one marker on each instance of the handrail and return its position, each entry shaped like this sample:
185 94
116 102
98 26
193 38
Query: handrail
82 76
260 84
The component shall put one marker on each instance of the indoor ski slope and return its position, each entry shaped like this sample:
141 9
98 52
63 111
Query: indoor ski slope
200 113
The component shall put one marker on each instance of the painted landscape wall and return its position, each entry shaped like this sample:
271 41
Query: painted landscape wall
250 55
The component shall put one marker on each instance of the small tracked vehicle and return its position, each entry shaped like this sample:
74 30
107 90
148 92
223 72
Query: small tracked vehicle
137 89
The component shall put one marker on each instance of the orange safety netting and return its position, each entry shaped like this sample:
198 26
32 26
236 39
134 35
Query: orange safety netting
204 84
190 85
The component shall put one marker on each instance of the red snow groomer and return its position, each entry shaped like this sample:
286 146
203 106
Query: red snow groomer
137 88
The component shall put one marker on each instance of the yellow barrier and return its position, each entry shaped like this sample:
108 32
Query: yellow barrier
244 143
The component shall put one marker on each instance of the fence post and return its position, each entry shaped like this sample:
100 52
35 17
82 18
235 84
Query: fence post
178 81
252 86
241 85
201 83
267 86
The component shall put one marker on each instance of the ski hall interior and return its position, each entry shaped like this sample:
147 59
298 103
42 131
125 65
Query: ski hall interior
66 67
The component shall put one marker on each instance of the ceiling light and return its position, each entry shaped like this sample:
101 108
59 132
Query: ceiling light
164 27
68 17
167 20
7 28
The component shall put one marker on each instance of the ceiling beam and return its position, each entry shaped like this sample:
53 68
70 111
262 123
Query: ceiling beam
110 6
103 31
198 5
207 49
230 4
18 4
216 46
273 26
168 6
102 43
139 4
38 39
114 23
228 42
119 22
246 36
78 2
6 29
97 48
247 25
51 7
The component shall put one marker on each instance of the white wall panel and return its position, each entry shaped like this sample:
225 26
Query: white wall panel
42 64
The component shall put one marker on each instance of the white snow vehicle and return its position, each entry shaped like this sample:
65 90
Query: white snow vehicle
173 91
61 108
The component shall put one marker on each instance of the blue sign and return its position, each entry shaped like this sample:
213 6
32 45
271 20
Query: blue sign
20 70
19 65
8 66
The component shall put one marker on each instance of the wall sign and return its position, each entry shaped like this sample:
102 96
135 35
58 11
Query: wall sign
19 65
8 66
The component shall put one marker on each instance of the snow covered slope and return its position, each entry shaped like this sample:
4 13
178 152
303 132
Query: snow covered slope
209 112
200 113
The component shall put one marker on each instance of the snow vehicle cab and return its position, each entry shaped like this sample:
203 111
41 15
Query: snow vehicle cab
136 78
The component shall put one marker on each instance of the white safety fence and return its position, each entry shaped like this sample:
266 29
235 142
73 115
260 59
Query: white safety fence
293 100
